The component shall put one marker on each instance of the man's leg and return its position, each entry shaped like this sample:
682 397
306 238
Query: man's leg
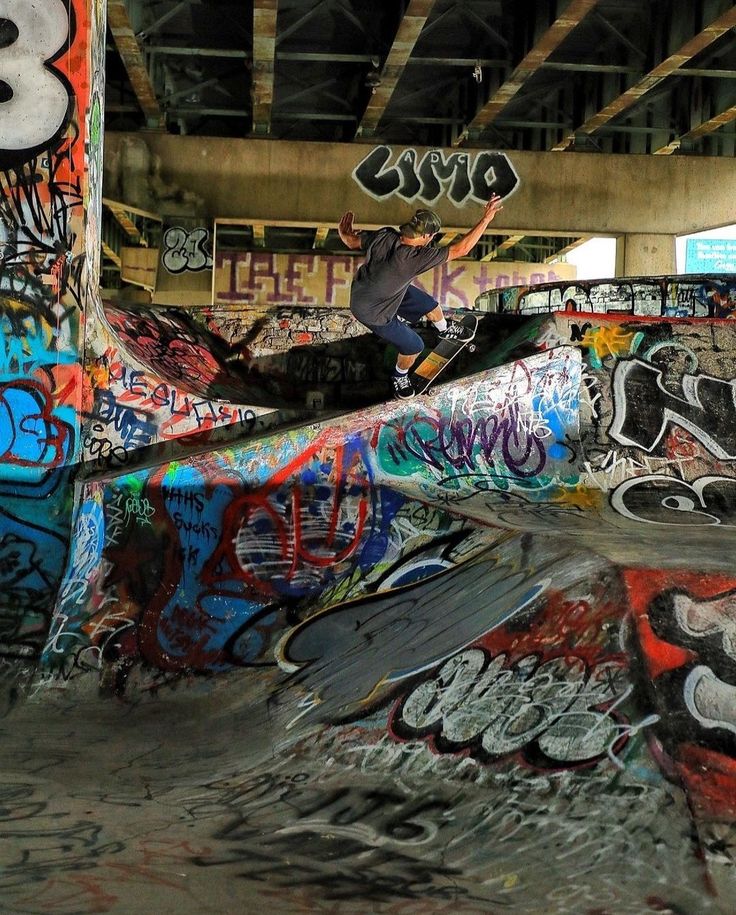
417 304
409 345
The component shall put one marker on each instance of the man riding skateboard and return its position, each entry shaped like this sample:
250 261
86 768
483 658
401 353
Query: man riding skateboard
382 293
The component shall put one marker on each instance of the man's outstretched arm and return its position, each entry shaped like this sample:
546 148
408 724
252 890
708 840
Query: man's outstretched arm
466 244
347 233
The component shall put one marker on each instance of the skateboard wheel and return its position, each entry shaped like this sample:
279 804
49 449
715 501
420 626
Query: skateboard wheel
471 348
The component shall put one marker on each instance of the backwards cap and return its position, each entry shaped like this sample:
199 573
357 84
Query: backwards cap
423 222
427 222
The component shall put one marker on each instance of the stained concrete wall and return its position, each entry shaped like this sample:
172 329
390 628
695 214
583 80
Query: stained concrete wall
565 193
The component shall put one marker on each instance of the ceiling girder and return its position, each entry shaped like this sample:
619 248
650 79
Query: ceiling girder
265 14
574 13
132 59
413 21
671 65
697 133
162 20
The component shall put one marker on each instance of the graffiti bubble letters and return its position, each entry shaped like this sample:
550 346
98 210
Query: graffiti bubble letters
702 618
657 499
186 251
643 409
550 710
36 111
469 177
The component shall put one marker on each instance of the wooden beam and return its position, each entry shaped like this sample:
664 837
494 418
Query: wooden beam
130 54
696 133
111 255
410 27
123 219
448 238
574 13
504 246
568 248
265 13
671 65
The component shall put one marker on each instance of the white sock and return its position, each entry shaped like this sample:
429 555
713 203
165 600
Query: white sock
398 371
441 325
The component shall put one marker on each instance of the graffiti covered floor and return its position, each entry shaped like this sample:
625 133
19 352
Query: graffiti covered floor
470 652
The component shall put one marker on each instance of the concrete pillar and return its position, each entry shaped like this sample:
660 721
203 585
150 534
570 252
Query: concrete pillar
645 255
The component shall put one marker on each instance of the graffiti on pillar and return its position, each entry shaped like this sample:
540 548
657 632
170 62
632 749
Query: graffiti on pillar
37 96
465 176
44 105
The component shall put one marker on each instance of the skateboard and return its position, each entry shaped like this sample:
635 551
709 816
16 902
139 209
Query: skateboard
437 360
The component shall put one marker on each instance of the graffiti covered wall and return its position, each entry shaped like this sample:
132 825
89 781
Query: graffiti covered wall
471 653
667 296
265 281
437 736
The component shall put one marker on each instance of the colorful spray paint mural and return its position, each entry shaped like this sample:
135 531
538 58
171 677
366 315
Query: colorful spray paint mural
469 653
47 166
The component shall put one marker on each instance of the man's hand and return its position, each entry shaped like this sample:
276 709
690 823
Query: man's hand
347 233
492 207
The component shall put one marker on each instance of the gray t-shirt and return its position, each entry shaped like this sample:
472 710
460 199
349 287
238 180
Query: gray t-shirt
381 281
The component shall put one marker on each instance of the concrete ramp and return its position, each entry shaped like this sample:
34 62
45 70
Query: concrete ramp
470 651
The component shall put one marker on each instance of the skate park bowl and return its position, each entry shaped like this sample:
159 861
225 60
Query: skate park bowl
269 638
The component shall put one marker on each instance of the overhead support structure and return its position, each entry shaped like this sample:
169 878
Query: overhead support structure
122 216
259 181
410 27
129 50
702 130
265 13
504 246
163 19
567 248
673 64
574 13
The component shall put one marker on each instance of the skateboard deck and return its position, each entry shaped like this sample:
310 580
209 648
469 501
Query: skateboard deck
437 360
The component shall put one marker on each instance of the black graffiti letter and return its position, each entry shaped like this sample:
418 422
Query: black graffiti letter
503 178
643 409
407 166
434 169
371 177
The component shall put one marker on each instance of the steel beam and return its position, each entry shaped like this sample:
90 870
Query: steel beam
574 13
414 19
130 54
674 64
265 14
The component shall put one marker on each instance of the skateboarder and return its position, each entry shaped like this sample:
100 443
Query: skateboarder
382 292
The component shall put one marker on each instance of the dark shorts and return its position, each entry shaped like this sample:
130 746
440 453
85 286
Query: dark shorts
414 306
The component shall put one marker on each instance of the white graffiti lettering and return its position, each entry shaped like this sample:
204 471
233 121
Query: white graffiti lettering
39 102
